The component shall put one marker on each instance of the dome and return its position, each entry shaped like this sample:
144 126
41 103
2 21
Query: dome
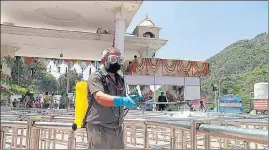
146 23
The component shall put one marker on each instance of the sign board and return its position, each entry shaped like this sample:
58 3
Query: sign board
260 104
230 104
230 99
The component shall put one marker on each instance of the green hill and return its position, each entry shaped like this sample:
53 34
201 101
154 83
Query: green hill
239 66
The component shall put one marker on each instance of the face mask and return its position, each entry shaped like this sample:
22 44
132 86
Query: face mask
113 68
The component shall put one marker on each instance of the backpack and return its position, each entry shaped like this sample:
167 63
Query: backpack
90 97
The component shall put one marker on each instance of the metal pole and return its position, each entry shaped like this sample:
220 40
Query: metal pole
184 92
173 141
216 103
193 135
220 87
2 139
28 133
146 139
208 139
226 140
18 74
34 139
72 140
181 139
67 78
154 93
67 85
125 133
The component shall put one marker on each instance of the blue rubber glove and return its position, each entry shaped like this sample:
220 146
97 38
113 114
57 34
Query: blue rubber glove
136 97
125 101
139 96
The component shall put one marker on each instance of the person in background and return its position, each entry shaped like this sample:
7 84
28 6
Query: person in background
202 107
46 100
38 102
14 103
72 101
51 101
41 99
27 100
162 98
62 101
67 101
190 105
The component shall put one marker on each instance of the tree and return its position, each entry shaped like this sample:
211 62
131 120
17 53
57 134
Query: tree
243 63
31 77
73 79
47 82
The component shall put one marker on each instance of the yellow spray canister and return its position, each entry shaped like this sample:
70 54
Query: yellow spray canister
81 101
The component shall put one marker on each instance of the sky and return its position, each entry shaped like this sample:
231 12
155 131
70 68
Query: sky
199 30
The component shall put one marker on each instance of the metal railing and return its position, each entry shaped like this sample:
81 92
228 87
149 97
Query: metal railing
166 130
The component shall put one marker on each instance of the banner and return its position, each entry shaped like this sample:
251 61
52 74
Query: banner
260 104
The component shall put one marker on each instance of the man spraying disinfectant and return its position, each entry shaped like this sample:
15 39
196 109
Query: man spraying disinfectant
107 99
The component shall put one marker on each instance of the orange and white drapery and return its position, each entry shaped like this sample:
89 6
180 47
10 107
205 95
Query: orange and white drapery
168 67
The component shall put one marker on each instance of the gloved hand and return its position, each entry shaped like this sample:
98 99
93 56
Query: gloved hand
136 97
125 101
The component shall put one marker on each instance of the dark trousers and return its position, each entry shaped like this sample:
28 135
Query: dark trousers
161 107
100 137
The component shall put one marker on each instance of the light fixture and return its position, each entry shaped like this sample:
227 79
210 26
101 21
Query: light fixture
61 55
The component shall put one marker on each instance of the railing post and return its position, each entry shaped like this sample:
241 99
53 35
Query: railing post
34 139
72 140
2 139
226 140
193 135
28 133
208 139
146 139
173 140
208 142
181 139
125 133
246 145
15 138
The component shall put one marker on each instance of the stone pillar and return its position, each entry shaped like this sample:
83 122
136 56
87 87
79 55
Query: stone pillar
7 57
120 23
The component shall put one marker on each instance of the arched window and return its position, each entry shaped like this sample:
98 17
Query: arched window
149 34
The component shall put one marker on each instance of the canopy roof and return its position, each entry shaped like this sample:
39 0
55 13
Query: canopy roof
67 15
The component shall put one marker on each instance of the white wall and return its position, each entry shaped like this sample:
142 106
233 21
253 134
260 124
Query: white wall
192 84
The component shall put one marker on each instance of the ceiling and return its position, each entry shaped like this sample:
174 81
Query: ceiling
36 46
66 15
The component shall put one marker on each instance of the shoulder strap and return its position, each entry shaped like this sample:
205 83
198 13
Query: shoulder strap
118 76
103 78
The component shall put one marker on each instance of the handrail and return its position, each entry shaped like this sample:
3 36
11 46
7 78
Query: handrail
257 135
193 125
13 123
54 125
